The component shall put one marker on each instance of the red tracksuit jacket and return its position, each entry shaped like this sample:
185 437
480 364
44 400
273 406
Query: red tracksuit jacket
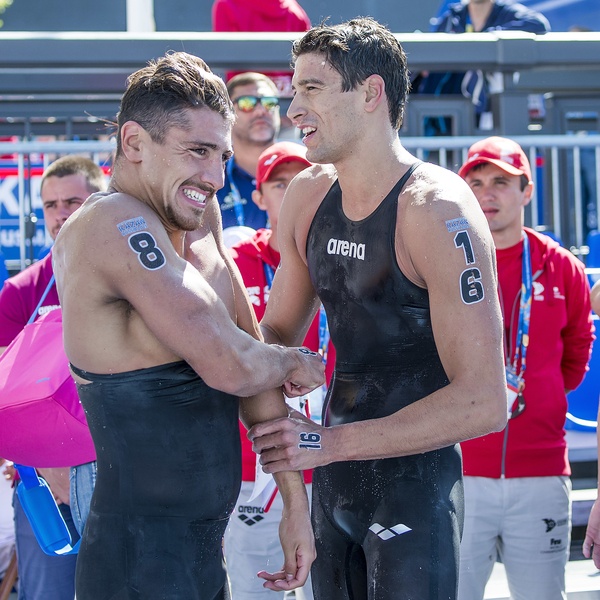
561 334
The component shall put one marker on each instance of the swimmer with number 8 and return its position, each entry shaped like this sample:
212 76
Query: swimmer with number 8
163 343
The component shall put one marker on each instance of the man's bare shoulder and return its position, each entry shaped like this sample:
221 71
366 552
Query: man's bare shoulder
110 209
312 183
110 234
105 219
302 199
437 200
435 205
439 189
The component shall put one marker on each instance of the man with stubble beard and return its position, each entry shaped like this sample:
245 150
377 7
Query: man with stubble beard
162 348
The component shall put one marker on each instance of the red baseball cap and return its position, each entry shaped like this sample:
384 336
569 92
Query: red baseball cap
499 151
277 154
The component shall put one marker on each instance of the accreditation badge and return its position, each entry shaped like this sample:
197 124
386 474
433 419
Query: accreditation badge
514 387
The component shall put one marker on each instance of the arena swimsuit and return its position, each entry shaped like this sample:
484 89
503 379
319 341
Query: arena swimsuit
169 472
385 529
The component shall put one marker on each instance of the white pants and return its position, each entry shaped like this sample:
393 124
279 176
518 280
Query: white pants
526 521
252 544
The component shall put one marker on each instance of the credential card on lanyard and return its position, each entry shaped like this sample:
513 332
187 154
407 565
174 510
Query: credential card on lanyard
512 387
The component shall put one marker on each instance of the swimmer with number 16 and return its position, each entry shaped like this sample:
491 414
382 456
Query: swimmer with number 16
401 256
162 341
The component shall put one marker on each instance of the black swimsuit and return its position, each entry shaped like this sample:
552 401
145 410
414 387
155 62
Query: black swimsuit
169 474
385 529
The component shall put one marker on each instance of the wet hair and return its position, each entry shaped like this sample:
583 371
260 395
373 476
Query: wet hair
358 49
158 95
77 165
249 78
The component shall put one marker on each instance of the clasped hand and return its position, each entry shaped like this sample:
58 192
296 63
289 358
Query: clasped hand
294 443
309 374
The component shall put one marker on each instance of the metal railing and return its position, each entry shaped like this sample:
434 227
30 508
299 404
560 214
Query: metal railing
566 174
565 168
20 203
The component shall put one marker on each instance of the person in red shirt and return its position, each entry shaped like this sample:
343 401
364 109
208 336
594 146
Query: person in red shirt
261 15
517 485
252 539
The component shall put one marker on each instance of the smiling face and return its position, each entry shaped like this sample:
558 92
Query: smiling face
329 119
259 126
183 173
502 201
62 196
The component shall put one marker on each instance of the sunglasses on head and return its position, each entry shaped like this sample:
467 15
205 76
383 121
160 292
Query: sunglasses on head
248 103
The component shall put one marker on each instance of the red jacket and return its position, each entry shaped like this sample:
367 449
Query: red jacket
560 339
250 257
259 15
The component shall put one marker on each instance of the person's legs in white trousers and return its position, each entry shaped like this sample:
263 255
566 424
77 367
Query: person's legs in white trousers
527 522
252 544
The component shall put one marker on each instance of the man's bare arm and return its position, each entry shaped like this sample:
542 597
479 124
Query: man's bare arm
591 543
293 301
296 534
172 301
595 297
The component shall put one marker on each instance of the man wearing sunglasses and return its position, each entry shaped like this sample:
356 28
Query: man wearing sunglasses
257 122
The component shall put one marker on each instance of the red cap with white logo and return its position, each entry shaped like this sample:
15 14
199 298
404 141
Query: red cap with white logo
277 154
499 151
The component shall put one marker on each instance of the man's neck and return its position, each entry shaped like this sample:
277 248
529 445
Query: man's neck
136 191
507 239
479 11
177 238
363 194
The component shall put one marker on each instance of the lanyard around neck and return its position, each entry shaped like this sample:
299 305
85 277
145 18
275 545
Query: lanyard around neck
269 274
238 206
522 341
323 334
468 24
37 308
323 327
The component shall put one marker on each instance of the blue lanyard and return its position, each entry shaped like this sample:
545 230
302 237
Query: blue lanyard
524 310
238 207
323 334
37 308
323 327
269 274
468 25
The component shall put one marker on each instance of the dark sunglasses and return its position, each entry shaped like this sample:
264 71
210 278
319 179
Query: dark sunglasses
248 103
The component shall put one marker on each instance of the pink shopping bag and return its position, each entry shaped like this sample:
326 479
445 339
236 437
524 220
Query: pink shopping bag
42 422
